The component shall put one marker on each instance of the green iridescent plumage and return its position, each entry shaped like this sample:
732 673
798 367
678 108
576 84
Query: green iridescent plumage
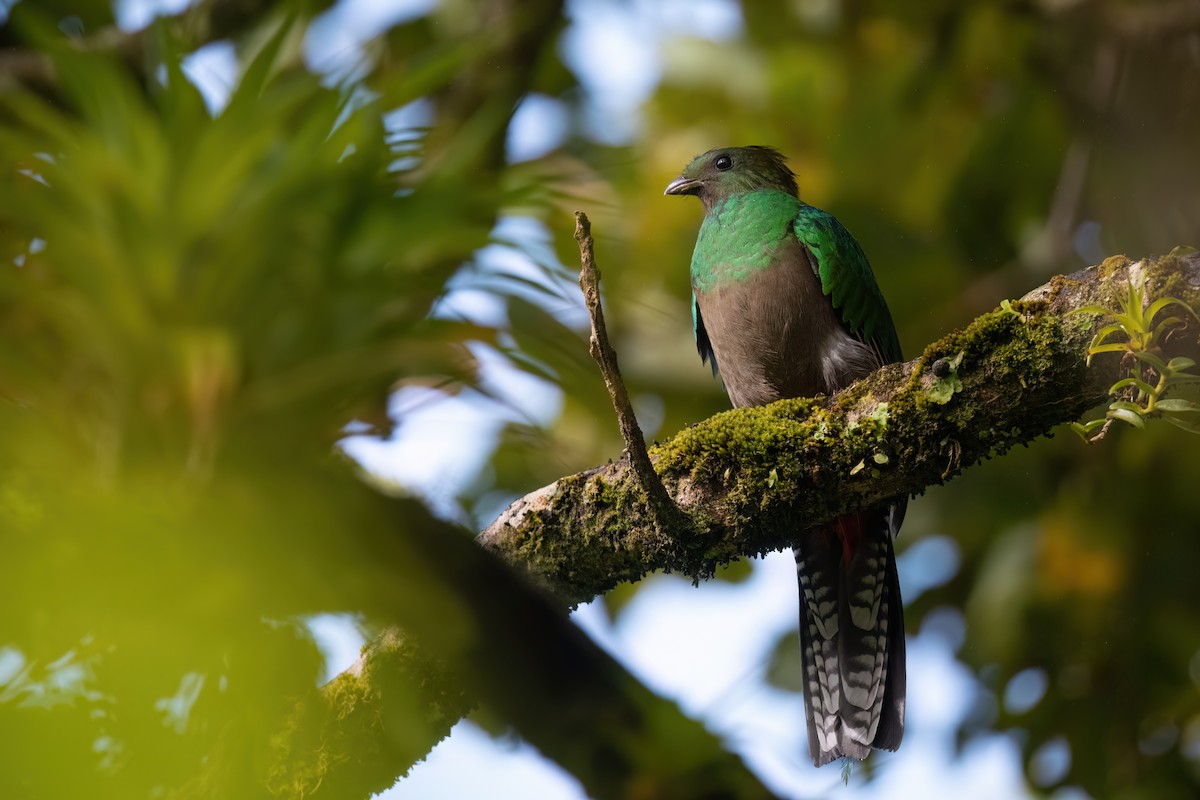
846 278
744 232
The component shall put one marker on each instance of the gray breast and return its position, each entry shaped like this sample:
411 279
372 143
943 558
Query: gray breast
775 335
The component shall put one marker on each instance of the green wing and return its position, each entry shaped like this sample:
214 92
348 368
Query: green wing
847 280
703 345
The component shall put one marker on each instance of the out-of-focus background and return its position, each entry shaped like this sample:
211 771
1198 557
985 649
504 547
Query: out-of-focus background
231 231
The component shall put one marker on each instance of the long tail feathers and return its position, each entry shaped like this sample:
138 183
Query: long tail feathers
851 636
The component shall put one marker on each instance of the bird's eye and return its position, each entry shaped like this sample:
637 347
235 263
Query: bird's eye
724 162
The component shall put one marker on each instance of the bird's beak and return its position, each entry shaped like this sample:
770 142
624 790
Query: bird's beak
682 185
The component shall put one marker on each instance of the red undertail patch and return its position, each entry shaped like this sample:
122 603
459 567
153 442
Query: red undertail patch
850 530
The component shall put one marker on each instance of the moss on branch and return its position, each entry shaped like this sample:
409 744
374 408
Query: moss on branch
749 476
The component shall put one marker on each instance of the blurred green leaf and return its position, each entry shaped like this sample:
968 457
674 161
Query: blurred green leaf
784 669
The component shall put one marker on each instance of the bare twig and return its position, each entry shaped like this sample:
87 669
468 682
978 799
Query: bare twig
601 350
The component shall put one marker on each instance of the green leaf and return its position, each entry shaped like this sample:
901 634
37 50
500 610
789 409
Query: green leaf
943 389
1151 360
1190 427
879 416
1121 384
1165 325
1164 302
1125 415
264 62
1178 406
784 670
1143 387
1131 324
1097 344
1006 308
1107 348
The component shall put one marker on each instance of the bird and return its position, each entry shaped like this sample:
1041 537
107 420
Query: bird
784 304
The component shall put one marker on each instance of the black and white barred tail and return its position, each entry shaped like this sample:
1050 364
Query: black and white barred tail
852 636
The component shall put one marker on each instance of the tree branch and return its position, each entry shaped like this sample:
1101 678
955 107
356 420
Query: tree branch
748 477
500 640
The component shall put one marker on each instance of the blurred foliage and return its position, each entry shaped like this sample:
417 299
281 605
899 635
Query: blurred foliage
194 308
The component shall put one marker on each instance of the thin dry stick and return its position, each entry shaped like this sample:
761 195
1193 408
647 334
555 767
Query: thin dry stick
602 352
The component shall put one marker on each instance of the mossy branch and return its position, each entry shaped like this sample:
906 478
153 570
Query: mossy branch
748 477
474 630
745 478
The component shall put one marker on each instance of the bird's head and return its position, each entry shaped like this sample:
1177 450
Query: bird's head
728 171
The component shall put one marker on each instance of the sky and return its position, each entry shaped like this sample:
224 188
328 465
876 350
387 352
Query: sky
664 635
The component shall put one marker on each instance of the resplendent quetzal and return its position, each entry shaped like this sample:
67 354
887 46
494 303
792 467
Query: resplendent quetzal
785 305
